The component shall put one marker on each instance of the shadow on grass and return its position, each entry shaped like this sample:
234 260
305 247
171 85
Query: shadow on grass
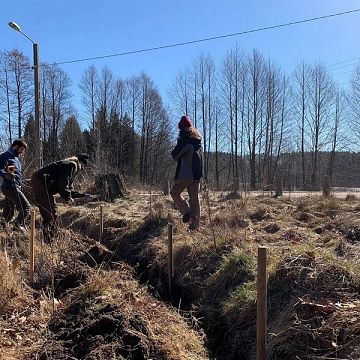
131 246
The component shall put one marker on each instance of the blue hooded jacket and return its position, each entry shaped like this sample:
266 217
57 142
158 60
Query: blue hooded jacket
9 157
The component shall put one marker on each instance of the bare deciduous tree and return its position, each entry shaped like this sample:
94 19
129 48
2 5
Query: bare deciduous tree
89 88
56 107
16 85
300 101
321 95
255 95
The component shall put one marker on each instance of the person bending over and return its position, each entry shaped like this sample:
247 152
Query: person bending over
52 179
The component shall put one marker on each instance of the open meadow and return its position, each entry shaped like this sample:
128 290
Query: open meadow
107 297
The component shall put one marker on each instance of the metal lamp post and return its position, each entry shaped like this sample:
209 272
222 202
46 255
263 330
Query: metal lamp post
38 144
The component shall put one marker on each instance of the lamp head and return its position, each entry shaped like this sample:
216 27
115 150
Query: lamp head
14 26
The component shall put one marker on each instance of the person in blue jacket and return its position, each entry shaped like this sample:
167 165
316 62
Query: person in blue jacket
10 171
188 154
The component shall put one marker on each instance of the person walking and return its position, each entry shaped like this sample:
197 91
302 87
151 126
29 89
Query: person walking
52 179
11 173
188 154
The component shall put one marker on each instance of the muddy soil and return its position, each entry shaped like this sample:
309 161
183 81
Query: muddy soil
90 329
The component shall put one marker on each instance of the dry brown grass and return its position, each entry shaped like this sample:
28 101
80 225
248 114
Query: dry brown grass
317 302
12 292
23 320
315 246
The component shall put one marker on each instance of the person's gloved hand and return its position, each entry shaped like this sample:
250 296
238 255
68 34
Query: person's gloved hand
10 176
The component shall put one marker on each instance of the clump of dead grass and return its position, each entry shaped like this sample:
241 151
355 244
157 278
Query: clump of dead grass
313 310
302 205
260 214
235 269
232 196
232 220
328 205
243 296
350 197
98 283
12 293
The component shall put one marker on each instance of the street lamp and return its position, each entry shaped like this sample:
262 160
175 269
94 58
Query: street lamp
38 142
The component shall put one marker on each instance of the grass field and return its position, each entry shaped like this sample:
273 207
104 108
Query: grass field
109 299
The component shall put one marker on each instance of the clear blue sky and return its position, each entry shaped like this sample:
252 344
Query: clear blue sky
68 30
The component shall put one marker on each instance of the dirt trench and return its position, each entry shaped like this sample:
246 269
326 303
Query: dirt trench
107 314
124 243
233 336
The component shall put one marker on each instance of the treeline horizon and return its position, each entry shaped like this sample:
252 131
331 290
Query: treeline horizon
245 107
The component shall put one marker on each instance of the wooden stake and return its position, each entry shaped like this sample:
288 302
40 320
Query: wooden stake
261 304
31 246
167 188
151 203
170 257
101 221
236 185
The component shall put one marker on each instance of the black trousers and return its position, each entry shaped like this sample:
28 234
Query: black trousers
44 200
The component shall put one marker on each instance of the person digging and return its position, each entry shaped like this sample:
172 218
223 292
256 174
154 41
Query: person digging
52 179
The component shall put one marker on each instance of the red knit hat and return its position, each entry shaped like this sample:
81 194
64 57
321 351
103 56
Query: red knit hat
185 122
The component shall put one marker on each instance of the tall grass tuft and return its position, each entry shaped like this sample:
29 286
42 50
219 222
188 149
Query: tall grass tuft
235 269
11 291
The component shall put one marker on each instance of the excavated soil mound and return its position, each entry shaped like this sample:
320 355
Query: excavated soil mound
112 317
101 331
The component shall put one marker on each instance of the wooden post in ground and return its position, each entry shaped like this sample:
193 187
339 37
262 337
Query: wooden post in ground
326 186
236 185
278 185
150 210
261 317
101 221
170 257
31 247
167 188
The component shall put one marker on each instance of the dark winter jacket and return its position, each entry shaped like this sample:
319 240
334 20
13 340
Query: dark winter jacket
58 177
188 154
7 158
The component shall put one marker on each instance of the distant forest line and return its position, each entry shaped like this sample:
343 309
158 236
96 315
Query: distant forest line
346 172
256 120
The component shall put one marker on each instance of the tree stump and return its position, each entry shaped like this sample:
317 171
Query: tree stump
110 186
236 185
326 186
278 185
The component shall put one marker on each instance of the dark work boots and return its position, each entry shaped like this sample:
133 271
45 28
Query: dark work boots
186 217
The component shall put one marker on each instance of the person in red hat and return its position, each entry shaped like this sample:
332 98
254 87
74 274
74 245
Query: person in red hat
188 154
